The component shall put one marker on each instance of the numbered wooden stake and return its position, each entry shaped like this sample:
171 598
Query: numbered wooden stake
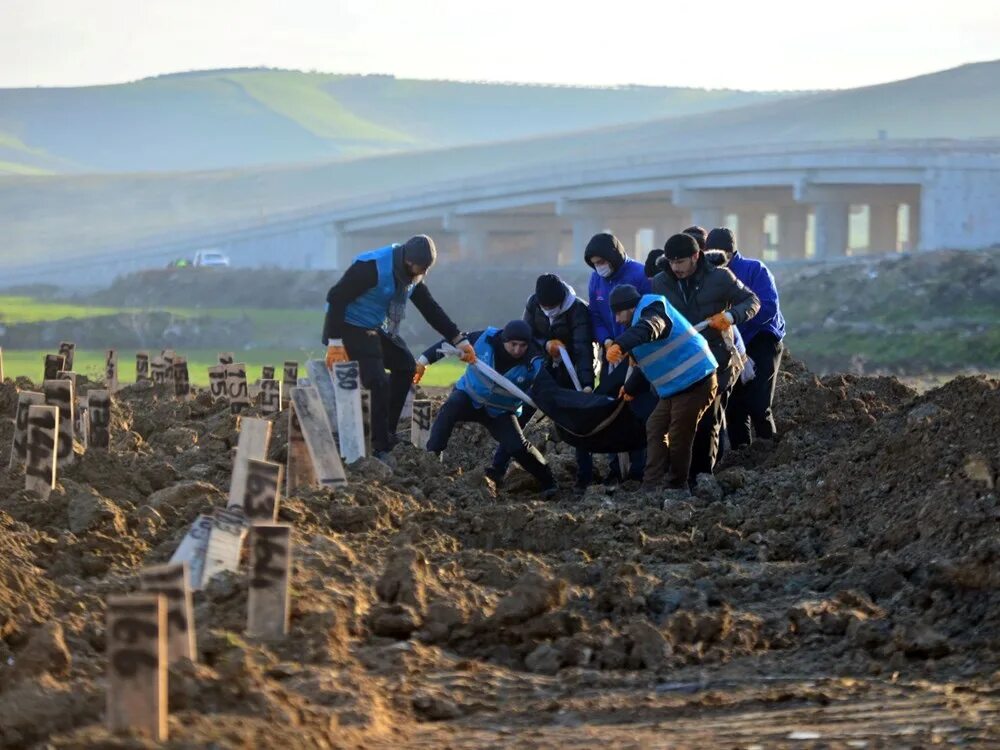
54 364
99 412
366 418
137 664
289 380
322 379
226 358
420 423
111 370
19 445
43 444
192 550
254 440
328 469
168 356
59 393
299 469
217 382
171 580
268 600
263 490
270 396
236 387
142 367
407 412
182 382
67 349
72 377
267 372
83 421
225 543
350 419
158 370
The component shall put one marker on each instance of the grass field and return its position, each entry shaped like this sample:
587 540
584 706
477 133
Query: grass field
29 363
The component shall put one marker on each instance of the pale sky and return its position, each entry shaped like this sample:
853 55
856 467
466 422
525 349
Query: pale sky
748 44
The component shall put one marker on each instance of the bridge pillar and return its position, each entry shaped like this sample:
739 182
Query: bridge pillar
793 221
831 229
882 221
585 227
750 232
912 226
474 244
958 209
344 246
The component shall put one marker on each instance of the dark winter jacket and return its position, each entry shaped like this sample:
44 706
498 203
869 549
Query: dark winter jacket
758 278
572 326
653 324
626 271
708 291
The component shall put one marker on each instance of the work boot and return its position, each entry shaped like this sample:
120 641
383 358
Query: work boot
496 477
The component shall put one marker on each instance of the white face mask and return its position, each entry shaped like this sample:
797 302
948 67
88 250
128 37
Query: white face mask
604 271
550 311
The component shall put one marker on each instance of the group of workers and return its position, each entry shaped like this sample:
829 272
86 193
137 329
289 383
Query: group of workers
691 341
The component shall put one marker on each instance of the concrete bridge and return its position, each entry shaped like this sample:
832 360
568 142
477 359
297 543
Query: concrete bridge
786 202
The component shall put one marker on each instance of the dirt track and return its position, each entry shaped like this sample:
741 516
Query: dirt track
838 587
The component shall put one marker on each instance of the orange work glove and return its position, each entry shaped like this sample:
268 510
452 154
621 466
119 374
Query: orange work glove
419 373
722 321
553 346
466 353
614 354
335 352
625 396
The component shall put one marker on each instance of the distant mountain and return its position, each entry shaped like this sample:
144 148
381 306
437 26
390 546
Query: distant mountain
253 117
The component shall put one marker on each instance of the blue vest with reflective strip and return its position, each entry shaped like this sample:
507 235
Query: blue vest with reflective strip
484 392
678 361
371 309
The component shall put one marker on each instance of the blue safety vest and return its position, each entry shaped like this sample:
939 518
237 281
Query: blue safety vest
678 361
484 392
371 309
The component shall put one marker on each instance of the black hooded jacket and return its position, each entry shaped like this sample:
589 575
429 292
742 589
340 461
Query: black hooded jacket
572 327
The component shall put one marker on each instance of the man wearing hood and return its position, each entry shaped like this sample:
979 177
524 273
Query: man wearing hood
364 311
751 401
701 291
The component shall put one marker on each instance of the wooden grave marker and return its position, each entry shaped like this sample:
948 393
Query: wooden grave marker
217 382
268 599
254 440
327 468
350 418
43 444
182 382
111 370
322 379
19 445
99 412
299 469
142 374
366 418
225 543
192 549
420 423
289 380
270 396
263 490
83 421
267 372
59 393
226 358
411 395
236 387
137 664
158 370
67 349
72 376
54 364
168 356
171 580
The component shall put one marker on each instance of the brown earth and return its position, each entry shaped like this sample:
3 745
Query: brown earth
837 588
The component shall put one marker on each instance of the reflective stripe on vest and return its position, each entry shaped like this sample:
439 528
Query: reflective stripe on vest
371 309
483 391
678 361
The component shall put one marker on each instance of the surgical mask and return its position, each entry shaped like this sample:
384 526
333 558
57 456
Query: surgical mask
604 271
550 311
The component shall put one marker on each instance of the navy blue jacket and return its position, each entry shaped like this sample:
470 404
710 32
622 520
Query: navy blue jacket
758 278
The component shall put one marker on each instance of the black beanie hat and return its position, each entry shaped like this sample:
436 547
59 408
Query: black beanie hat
651 268
623 297
699 234
420 250
680 246
607 247
721 238
517 330
550 290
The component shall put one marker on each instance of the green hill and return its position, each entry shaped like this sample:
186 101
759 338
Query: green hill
220 119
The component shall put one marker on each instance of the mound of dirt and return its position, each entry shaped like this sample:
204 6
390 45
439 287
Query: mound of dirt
853 557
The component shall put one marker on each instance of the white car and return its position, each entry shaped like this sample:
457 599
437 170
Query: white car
210 258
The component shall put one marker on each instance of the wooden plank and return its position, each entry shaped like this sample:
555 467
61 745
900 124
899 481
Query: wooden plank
99 409
225 543
326 463
54 364
67 349
263 490
420 423
171 580
254 440
226 358
169 356
83 421
322 379
267 372
411 395
111 370
236 387
142 367
59 393
137 665
217 382
289 379
268 600
350 419
270 396
299 470
192 549
182 381
43 444
158 371
366 418
72 376
19 445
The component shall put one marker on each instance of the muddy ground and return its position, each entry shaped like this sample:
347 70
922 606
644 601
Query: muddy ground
838 588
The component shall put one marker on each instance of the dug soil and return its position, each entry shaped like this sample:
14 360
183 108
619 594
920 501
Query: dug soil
839 587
